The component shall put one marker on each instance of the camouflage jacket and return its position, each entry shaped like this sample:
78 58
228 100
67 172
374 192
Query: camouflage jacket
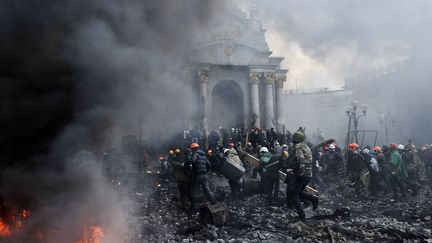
302 160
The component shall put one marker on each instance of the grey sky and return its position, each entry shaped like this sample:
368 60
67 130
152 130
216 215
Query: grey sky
326 41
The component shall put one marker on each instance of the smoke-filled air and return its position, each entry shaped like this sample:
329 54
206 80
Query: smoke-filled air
215 121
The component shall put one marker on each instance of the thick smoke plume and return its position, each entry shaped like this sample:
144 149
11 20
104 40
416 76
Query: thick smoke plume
325 42
75 75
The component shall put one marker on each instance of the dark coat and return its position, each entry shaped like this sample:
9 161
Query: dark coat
199 161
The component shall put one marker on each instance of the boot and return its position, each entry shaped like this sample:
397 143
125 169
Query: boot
315 202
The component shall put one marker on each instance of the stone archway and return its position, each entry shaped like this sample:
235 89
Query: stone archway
227 105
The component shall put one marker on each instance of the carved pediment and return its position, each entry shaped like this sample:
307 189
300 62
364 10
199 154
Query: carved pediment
233 39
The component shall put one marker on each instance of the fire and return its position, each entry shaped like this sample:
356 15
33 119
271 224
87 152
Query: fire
92 234
11 220
4 229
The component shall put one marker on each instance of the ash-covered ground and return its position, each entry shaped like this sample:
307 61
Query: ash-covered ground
161 217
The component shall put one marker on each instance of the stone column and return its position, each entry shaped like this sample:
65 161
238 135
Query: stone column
254 79
187 77
269 79
203 76
278 97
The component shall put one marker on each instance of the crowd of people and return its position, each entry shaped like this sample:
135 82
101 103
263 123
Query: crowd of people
279 156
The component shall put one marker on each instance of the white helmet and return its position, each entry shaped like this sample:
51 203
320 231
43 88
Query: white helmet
264 149
332 146
400 147
366 151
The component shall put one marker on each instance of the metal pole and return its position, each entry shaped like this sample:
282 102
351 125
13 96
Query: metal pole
348 133
386 129
355 128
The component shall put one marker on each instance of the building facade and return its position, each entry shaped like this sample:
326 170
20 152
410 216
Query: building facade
234 80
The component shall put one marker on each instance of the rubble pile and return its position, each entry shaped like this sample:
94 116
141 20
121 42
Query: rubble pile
340 217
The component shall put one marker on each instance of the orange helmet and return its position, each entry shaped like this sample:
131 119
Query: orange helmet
353 146
194 146
231 145
377 148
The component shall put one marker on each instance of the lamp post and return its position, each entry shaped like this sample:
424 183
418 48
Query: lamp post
353 115
384 121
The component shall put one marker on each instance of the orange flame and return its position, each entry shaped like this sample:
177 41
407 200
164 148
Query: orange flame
12 221
92 234
4 229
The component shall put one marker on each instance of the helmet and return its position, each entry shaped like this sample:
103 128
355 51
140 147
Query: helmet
365 151
161 158
249 144
210 152
177 151
284 146
423 149
171 152
377 149
353 146
264 149
298 137
194 146
400 147
332 146
231 145
285 154
393 146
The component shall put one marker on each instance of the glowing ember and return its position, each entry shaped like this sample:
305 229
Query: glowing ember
92 234
4 229
11 220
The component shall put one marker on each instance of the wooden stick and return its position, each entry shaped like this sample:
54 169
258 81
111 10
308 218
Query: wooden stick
308 188
270 165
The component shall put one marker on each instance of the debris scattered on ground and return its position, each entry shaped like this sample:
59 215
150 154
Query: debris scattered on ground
340 217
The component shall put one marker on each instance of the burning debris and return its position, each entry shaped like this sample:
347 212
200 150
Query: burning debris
11 219
92 234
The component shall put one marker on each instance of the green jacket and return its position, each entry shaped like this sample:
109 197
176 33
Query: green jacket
264 158
398 165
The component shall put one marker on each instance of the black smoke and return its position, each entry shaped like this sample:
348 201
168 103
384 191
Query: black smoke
74 74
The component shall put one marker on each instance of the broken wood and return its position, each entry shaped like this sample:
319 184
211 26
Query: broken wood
282 177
